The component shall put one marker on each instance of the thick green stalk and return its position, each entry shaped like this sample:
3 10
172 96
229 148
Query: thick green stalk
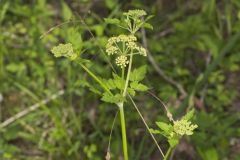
123 129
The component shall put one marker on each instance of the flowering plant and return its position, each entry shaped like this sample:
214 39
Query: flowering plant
174 132
126 83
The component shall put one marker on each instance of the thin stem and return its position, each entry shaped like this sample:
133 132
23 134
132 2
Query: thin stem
110 136
123 129
172 153
145 123
167 154
95 78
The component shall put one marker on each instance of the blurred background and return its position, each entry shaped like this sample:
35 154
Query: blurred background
48 107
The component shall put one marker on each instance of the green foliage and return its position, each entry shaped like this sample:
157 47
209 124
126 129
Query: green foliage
112 20
132 21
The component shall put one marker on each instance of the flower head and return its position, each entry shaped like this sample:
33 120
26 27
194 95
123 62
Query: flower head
184 127
142 51
113 44
111 50
132 45
64 50
121 38
135 13
123 46
122 61
129 41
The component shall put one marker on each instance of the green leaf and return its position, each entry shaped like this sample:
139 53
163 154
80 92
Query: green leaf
4 9
138 86
131 92
111 3
189 115
164 126
149 17
15 67
84 83
99 30
138 74
66 11
94 90
81 83
110 84
209 154
75 38
112 20
118 81
148 26
74 148
154 131
112 98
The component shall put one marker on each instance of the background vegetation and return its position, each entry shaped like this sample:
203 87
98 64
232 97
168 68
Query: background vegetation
193 62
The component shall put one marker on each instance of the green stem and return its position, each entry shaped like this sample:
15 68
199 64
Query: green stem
123 129
122 118
128 75
95 78
167 154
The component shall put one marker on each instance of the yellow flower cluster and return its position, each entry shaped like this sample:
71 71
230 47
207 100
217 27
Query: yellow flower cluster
122 61
142 51
184 127
122 45
111 46
112 50
136 13
133 46
64 50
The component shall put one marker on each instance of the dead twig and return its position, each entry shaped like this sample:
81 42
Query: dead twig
159 70
165 33
30 109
